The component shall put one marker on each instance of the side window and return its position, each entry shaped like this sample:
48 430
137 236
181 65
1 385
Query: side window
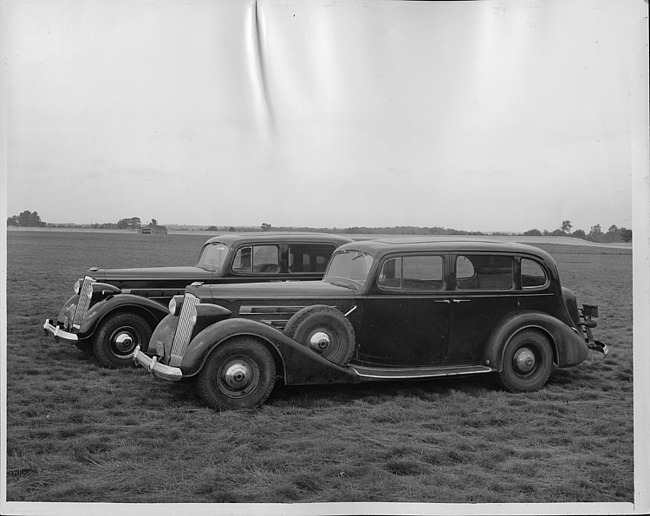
484 272
391 274
259 258
532 274
412 273
464 268
243 260
422 272
309 257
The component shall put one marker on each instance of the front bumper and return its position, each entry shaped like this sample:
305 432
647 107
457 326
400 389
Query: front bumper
59 333
155 368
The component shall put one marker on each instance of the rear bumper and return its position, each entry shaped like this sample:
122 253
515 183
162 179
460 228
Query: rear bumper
587 315
593 343
59 333
155 368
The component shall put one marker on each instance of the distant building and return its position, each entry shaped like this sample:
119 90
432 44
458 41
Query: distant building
153 230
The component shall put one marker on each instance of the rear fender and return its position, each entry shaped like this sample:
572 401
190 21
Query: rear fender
567 345
298 364
152 311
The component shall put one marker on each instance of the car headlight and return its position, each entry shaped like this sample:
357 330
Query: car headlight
193 316
77 286
175 305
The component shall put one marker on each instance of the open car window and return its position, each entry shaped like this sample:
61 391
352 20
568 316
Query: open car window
412 273
262 259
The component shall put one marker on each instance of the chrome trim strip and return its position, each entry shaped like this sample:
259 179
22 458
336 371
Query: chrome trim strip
478 369
269 309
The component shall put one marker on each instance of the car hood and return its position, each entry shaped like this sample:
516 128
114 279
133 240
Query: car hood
274 290
186 273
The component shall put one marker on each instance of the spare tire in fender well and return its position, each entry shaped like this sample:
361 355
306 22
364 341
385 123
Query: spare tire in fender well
325 330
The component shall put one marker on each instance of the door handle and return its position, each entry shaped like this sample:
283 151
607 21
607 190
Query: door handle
443 301
461 300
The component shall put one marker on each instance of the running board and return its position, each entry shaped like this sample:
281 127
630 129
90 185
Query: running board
398 373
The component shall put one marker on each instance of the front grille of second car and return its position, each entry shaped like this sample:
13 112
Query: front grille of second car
184 328
84 301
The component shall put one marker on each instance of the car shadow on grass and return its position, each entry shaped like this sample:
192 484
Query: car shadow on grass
378 392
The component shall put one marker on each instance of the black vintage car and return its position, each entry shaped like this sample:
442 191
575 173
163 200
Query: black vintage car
114 310
385 310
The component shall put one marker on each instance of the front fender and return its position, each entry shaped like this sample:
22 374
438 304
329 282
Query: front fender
68 309
299 364
568 346
153 311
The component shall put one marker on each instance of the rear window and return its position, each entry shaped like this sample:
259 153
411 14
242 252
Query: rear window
484 272
532 274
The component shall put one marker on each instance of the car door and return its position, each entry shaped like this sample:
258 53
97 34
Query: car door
484 292
405 315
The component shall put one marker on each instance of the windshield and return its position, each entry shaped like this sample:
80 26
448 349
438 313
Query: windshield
349 266
212 256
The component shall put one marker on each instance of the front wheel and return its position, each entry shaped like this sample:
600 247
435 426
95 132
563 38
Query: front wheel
527 362
238 374
117 338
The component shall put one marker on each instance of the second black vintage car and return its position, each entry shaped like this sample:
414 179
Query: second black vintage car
385 310
114 310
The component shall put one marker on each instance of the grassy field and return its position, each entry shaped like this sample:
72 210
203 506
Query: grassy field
79 433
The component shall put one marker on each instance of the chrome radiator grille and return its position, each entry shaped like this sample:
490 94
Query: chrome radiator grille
85 294
184 329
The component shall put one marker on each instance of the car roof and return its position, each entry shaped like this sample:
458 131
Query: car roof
380 247
231 239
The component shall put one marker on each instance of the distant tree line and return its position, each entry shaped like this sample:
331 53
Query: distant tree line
596 234
129 223
27 219
408 230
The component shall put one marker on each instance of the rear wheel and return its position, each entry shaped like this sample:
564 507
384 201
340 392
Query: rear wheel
238 374
117 338
527 362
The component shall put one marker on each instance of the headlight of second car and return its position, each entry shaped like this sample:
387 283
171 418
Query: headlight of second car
175 305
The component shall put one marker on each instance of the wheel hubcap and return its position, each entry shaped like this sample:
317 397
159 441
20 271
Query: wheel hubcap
123 341
237 376
524 360
320 341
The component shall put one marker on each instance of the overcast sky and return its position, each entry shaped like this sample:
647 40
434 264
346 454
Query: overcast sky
488 116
